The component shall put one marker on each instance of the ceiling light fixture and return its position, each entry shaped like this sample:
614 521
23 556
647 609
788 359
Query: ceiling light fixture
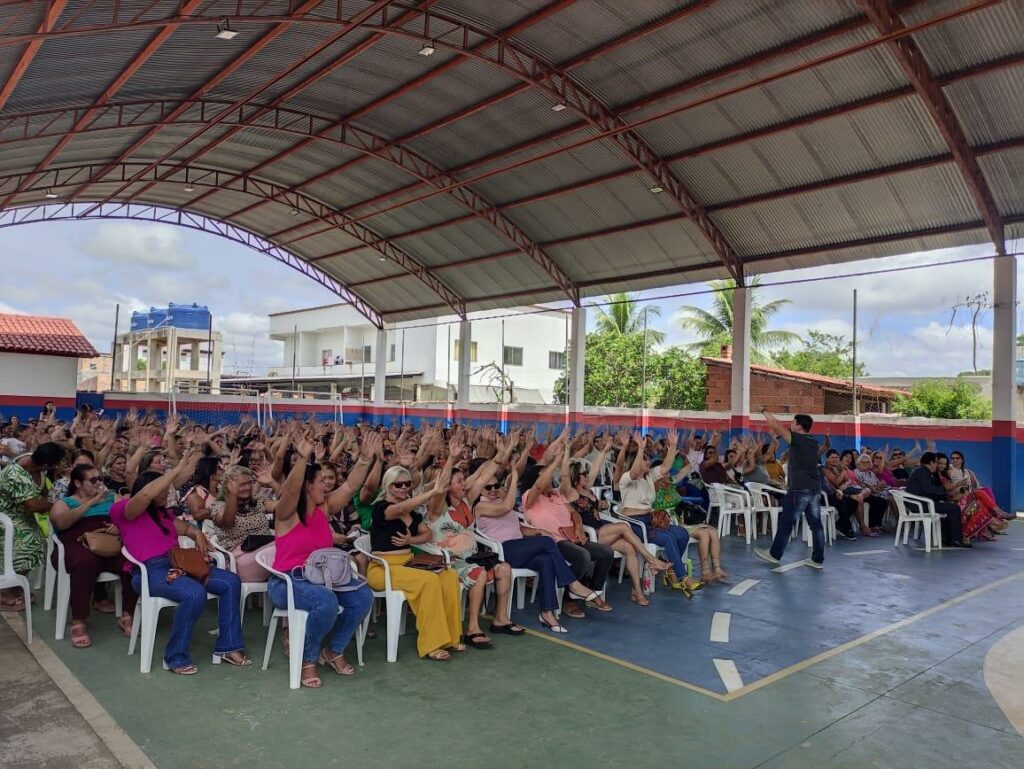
224 31
558 107
295 212
51 195
428 48
189 187
657 188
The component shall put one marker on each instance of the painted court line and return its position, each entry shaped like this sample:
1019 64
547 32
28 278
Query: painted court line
745 585
790 566
720 627
113 736
729 674
785 672
866 552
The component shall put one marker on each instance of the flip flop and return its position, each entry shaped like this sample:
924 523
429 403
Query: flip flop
509 629
439 655
472 641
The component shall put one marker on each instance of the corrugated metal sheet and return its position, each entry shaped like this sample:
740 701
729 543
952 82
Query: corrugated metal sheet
1005 174
963 42
990 108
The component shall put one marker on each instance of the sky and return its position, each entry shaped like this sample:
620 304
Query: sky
82 270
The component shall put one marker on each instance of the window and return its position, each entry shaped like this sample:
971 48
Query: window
513 356
472 351
556 360
367 357
391 355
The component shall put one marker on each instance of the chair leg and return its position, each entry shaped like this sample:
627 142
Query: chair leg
361 639
118 599
394 621
296 642
271 635
748 519
26 590
268 609
136 623
51 578
149 621
521 594
61 615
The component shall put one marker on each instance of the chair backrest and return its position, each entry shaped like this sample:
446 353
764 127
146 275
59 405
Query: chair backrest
362 544
265 558
143 571
8 525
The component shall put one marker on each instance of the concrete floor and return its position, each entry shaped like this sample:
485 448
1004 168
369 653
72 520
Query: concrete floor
818 692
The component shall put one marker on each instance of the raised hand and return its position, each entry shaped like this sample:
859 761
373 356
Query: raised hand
372 446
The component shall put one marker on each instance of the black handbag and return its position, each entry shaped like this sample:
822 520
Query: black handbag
256 541
691 514
488 559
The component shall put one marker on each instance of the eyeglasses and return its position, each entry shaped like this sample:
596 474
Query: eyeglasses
91 480
401 484
897 454
492 486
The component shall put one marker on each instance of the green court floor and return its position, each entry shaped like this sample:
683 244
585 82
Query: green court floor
913 697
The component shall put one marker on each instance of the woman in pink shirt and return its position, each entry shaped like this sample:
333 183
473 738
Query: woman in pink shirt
149 531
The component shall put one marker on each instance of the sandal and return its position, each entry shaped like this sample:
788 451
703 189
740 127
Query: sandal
600 604
639 598
552 628
573 611
13 604
657 567
125 623
585 598
311 682
184 670
80 636
459 647
473 641
510 628
345 668
440 655
105 607
243 662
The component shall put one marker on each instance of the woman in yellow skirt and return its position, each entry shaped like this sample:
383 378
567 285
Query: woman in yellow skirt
395 526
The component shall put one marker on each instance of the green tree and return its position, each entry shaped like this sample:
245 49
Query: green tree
821 353
614 375
626 316
714 328
941 399
682 381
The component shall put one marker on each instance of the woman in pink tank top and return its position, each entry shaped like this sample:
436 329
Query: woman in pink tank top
302 527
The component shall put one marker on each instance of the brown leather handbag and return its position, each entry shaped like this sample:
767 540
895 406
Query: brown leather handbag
660 520
192 562
426 561
104 542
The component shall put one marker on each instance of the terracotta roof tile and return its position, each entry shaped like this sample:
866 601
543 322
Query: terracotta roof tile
39 335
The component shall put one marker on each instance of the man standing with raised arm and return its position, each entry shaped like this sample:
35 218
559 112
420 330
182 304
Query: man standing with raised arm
804 495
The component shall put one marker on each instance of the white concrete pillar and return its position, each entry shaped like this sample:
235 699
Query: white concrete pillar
577 358
194 356
380 367
465 346
740 390
1004 383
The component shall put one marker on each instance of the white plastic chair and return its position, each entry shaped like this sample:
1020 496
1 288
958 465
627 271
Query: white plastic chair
58 577
764 499
394 600
519 576
652 547
925 518
296 623
147 613
731 503
828 523
248 588
9 578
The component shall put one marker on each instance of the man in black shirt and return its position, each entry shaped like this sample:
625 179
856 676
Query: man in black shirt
923 482
804 495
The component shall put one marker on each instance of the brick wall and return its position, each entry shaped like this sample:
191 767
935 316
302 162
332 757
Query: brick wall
778 395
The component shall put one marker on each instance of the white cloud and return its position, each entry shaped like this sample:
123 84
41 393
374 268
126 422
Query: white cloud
8 310
135 244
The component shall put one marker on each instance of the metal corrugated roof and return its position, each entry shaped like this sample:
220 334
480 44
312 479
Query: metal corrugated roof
843 157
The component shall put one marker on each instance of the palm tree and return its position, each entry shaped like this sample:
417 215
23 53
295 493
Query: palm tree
624 316
714 328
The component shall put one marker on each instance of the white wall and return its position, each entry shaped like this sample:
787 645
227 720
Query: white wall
42 376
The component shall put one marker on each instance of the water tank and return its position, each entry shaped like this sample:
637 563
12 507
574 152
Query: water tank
186 316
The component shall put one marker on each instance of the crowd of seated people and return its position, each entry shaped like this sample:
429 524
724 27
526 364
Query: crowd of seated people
564 506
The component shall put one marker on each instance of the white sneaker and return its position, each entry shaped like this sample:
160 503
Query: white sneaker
815 564
764 555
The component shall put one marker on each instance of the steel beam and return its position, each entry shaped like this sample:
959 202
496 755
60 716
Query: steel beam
53 11
187 7
915 68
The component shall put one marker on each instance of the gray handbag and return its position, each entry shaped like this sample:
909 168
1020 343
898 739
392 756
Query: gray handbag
331 568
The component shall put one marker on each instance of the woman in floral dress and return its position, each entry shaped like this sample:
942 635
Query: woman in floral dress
22 495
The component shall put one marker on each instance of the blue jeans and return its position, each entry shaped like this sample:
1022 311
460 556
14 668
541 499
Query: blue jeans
542 555
795 504
672 540
191 598
322 606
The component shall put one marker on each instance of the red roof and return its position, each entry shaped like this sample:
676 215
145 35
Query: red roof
803 376
39 335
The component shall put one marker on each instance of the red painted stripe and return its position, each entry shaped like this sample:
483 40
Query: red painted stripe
35 400
1004 429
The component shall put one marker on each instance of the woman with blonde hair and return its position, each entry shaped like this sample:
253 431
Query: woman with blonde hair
236 518
396 525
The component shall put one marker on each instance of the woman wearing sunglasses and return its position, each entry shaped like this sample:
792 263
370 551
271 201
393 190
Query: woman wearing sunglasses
450 519
86 508
396 525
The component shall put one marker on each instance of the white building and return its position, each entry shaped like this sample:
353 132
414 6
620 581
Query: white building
39 362
333 349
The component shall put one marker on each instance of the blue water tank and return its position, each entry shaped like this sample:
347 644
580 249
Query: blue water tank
186 316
